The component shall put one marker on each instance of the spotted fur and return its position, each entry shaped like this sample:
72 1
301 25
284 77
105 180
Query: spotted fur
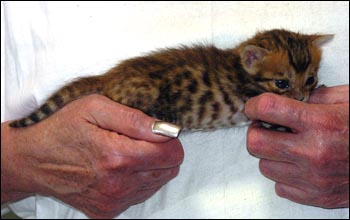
202 87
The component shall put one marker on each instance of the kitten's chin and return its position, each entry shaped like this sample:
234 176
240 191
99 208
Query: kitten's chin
305 98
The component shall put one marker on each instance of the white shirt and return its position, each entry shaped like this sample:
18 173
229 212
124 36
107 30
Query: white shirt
45 44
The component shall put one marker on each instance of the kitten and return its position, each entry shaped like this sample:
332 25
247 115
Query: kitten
203 87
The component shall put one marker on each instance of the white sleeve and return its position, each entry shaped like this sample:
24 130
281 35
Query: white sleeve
3 94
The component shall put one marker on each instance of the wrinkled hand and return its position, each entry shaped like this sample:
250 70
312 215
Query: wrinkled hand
94 154
310 165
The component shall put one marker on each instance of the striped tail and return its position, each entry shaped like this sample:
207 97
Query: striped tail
68 93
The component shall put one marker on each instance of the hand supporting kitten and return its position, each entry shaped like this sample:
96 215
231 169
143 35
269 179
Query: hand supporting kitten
310 165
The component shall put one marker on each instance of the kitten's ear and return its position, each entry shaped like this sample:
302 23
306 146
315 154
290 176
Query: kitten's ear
251 56
319 40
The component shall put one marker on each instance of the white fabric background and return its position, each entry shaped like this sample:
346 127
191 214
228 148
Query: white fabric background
46 44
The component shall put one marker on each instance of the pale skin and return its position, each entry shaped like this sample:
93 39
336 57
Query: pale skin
94 154
311 165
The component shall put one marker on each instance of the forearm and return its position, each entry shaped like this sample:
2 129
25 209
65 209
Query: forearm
9 180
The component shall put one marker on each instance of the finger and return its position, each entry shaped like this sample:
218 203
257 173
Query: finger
308 196
292 193
136 197
330 95
111 207
143 195
156 178
142 155
92 208
98 205
272 145
282 172
124 120
161 156
305 197
276 109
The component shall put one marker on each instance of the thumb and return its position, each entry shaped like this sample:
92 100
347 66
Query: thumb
128 121
276 109
330 95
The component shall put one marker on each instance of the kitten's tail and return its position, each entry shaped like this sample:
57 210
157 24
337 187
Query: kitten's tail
68 93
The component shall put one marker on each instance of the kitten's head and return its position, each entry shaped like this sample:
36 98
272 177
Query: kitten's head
283 62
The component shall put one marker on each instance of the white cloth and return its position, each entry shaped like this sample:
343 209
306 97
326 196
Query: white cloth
48 43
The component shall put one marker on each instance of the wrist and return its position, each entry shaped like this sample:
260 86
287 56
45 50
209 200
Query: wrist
10 167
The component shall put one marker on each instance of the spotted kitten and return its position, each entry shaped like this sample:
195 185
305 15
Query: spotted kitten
203 87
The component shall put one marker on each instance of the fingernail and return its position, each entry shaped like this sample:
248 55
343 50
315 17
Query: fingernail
166 129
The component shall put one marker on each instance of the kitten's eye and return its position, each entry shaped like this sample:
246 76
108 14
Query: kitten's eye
282 83
310 80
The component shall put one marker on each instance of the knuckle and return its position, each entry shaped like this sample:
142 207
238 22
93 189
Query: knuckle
176 153
107 158
329 120
111 153
304 116
120 164
265 103
134 117
179 154
88 105
335 122
93 215
96 213
106 208
121 193
279 190
335 201
174 172
263 167
109 186
169 153
93 100
112 189
254 141
132 114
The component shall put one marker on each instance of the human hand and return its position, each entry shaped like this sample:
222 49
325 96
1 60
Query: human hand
311 165
94 154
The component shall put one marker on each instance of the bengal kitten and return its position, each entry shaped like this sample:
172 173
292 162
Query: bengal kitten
203 87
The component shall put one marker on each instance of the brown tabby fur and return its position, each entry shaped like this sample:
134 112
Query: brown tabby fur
202 87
